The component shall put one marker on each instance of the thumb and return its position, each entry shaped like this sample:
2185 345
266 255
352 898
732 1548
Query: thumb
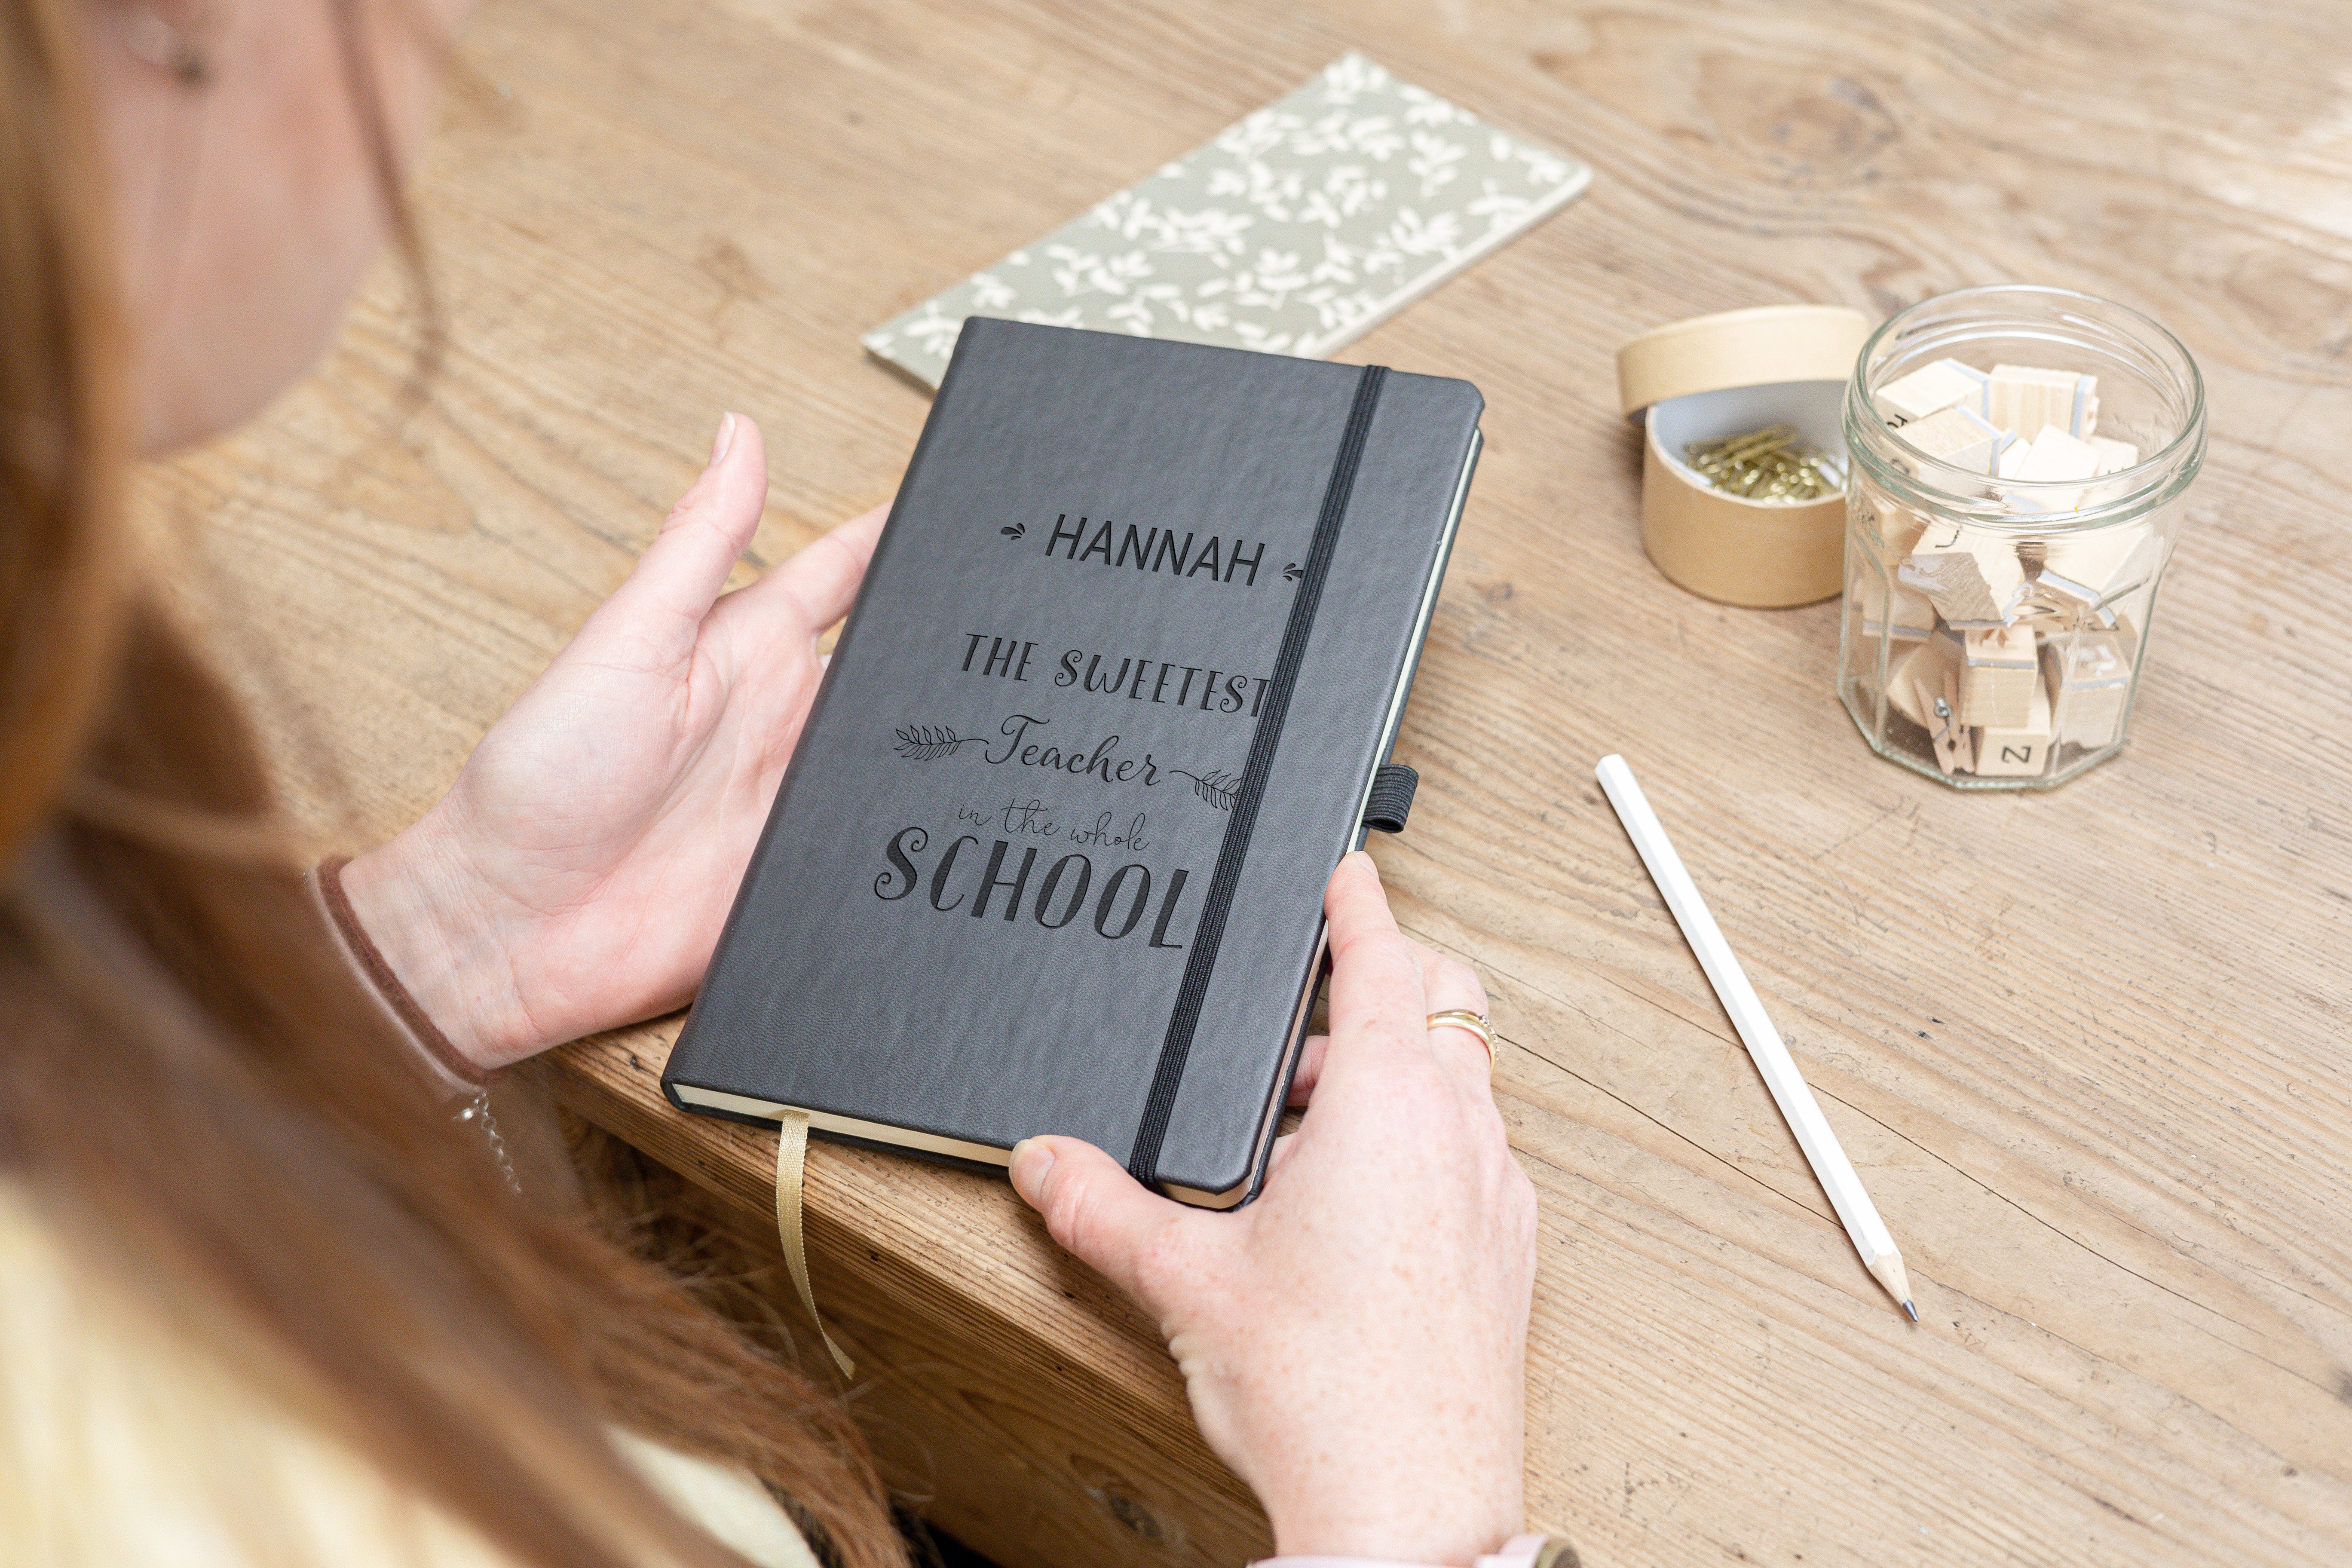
1107 1219
679 576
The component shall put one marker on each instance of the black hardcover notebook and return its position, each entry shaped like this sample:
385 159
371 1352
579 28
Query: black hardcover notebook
1050 857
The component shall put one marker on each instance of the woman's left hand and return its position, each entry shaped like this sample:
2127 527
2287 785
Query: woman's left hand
576 876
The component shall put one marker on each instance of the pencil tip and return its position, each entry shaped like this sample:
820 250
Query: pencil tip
1913 1310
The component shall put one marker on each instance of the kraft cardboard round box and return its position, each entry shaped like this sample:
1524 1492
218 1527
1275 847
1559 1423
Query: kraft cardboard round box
1712 377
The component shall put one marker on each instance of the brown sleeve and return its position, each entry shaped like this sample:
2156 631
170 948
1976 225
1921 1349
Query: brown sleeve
448 1065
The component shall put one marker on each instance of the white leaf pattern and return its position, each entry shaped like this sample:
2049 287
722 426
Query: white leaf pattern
1291 231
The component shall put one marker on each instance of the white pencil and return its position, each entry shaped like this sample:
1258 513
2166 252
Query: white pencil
1764 1044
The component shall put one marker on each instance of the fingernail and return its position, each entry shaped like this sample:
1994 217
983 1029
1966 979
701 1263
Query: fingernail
1363 859
1031 1161
726 437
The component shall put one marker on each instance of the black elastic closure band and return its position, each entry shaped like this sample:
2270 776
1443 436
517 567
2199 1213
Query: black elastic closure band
1169 1076
1391 801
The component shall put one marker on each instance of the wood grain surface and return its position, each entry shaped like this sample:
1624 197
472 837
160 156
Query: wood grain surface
2088 1048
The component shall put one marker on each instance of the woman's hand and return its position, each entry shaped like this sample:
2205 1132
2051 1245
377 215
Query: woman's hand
576 875
1355 1341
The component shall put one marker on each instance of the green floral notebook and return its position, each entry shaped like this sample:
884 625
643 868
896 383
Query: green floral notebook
1293 231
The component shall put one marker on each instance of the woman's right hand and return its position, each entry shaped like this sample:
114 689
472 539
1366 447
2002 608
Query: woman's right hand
1355 1341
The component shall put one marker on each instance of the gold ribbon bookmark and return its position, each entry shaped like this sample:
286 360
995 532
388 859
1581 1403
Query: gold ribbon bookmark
792 1164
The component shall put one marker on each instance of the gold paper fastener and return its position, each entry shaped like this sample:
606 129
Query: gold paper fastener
1771 463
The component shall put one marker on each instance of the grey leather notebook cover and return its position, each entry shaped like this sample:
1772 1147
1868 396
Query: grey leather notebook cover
1050 855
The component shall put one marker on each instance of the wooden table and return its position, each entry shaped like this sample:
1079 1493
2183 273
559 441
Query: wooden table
2088 1047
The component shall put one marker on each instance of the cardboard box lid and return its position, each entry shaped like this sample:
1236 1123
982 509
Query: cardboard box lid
1757 347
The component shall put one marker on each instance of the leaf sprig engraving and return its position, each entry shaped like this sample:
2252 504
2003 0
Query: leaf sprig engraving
922 742
929 743
1219 790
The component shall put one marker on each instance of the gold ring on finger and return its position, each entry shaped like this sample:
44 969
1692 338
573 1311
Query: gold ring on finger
1472 1023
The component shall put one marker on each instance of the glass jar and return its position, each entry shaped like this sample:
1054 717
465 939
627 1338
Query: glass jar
2000 582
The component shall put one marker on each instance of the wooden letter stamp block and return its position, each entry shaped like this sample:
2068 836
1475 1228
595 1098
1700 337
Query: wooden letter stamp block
1973 578
1947 383
2091 569
2087 675
2019 750
2022 397
1914 679
2053 456
1958 437
1898 527
1896 611
2114 457
1999 678
2056 454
